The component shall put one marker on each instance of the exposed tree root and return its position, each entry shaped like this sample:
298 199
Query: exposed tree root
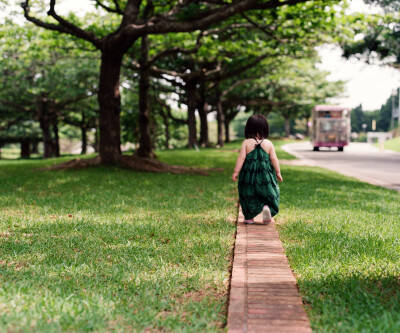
153 165
135 163
76 163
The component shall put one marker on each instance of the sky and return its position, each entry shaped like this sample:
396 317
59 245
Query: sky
368 85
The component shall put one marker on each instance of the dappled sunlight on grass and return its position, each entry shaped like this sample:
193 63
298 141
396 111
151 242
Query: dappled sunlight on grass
114 249
342 240
108 247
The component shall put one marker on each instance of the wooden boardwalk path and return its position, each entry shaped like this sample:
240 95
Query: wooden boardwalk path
263 295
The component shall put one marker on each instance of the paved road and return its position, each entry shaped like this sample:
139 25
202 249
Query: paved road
359 160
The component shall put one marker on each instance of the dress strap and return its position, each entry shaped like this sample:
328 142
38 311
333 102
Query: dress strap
258 144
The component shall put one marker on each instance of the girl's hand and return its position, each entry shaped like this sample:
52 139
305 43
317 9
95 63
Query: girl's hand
279 176
235 175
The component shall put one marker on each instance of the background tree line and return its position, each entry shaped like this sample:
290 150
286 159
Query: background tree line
152 72
382 118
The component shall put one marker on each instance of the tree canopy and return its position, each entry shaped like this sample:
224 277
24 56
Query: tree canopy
139 56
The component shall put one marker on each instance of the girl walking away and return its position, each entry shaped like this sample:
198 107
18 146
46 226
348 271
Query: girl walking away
259 172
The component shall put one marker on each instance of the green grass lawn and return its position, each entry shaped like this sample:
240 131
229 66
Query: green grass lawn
12 153
112 249
342 240
116 250
392 144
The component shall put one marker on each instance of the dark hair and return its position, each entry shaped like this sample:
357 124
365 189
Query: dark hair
256 125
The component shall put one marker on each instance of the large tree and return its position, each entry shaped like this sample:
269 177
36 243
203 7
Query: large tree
224 53
136 19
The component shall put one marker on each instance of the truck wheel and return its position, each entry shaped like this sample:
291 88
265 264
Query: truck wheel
316 149
340 148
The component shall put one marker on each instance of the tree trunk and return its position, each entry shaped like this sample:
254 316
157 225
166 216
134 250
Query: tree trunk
83 134
96 135
191 104
145 144
110 105
220 123
227 133
84 140
307 128
203 110
229 116
44 121
47 140
56 141
287 126
35 147
153 134
25 149
166 128
166 144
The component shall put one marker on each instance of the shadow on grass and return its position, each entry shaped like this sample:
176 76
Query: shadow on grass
339 248
313 188
354 302
116 271
341 238
139 251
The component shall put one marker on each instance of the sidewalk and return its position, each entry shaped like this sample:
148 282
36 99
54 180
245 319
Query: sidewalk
263 295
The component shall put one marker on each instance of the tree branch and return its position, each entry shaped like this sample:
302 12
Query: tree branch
203 33
276 3
162 103
163 88
158 72
17 106
236 71
261 28
117 6
131 12
163 24
175 50
63 104
116 10
10 123
64 26
233 86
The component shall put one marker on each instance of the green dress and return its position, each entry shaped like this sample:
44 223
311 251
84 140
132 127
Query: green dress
258 185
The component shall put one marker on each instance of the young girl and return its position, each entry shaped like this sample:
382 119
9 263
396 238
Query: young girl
258 186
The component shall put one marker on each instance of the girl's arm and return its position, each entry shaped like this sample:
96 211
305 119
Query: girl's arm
239 161
275 163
